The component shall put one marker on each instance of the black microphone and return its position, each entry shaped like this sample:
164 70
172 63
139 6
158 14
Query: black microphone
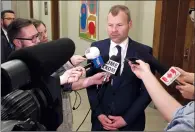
161 69
111 67
150 59
45 58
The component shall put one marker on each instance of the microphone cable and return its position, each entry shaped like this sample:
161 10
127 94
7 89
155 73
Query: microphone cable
76 93
90 107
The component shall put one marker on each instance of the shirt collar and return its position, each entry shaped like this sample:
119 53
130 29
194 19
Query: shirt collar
5 32
122 44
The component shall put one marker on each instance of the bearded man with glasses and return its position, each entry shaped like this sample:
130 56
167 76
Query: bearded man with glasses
22 33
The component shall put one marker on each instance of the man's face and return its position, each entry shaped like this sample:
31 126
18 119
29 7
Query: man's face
29 32
7 19
43 33
118 27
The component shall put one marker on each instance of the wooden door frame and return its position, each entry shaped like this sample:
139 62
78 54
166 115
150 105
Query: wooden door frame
55 21
31 8
157 29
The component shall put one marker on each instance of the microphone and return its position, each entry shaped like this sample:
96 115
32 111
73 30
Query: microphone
150 59
161 69
111 67
95 62
92 53
45 58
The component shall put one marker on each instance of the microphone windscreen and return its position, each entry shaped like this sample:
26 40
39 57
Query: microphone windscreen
45 58
115 58
160 68
92 53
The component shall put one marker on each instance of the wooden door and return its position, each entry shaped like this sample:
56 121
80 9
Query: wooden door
173 37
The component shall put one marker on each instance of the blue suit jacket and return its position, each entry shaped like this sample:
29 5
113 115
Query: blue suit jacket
127 97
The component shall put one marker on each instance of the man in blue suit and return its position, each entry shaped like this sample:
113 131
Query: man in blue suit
120 105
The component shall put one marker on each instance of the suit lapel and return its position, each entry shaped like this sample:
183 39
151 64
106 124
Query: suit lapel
105 48
131 52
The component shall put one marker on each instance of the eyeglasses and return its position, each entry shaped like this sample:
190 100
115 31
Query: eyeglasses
33 39
9 19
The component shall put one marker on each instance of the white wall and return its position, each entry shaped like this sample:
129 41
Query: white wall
73 10
134 7
21 8
142 13
6 5
39 13
63 13
147 13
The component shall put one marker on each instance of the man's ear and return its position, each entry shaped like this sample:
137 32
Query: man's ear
1 22
17 43
130 24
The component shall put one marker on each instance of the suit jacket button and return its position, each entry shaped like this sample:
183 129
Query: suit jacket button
113 93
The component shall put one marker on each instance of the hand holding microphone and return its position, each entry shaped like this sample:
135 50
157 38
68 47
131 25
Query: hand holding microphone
72 75
90 54
96 79
77 59
140 70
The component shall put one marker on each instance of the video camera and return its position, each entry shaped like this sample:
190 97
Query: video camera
31 97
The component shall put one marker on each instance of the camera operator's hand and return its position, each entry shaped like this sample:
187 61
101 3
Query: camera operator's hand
140 70
72 75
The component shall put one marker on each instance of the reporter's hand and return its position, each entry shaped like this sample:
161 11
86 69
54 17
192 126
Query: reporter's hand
185 76
77 59
72 75
187 90
95 79
141 69
106 122
98 78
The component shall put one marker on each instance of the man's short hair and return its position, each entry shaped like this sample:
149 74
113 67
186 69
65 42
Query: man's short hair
117 8
6 11
37 23
15 27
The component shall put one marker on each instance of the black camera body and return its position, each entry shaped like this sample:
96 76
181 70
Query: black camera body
29 93
35 98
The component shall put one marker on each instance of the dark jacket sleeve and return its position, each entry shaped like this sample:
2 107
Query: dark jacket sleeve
5 49
140 103
92 91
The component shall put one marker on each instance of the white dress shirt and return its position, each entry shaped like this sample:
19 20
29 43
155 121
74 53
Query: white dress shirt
5 32
114 51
